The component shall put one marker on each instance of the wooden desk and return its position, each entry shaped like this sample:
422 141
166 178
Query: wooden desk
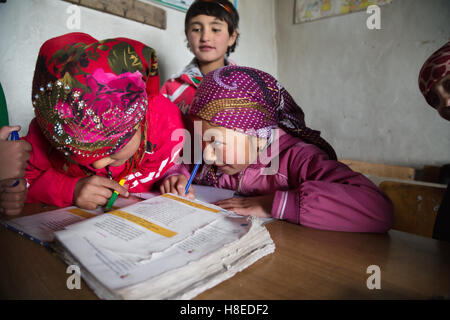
307 264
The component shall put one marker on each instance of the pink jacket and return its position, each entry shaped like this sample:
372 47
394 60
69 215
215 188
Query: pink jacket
51 179
312 190
181 87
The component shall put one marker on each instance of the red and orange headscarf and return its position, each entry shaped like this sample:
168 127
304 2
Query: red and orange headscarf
90 96
434 69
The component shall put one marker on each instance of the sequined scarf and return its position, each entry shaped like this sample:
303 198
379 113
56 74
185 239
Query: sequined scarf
90 96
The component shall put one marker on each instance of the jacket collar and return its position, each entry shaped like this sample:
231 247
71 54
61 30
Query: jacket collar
192 75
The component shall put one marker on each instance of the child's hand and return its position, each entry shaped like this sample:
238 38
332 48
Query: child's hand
177 184
94 191
13 155
12 199
260 206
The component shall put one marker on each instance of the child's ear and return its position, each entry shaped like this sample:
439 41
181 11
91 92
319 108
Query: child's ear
233 38
188 45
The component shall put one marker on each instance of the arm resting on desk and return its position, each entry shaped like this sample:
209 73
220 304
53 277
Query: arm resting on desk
325 194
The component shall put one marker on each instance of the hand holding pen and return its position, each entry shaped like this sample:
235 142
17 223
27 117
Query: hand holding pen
110 203
13 154
13 161
94 191
179 184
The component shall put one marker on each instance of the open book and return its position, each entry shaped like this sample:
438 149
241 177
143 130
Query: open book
166 247
41 227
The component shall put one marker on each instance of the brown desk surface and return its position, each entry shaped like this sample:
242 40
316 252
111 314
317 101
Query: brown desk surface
307 264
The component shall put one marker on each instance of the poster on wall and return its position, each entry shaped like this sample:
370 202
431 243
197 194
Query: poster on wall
308 10
182 5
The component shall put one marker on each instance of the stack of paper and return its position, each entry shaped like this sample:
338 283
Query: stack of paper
166 247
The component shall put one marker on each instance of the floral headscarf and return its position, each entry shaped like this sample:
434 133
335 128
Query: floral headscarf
253 102
90 96
434 69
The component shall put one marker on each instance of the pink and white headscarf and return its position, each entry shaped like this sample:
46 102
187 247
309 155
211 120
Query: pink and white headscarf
253 102
91 95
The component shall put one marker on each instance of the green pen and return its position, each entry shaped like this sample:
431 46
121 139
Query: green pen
113 198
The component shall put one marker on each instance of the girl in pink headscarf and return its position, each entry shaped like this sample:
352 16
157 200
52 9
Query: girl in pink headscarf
255 142
99 118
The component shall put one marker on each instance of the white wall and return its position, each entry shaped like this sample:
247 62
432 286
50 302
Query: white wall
26 24
359 86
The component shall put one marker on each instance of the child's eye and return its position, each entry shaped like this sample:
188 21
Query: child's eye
216 30
195 29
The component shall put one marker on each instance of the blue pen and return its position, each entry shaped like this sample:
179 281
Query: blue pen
15 137
191 178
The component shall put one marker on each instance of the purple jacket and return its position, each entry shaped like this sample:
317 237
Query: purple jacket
312 190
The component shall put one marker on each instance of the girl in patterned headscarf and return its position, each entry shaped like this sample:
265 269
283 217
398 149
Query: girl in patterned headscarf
434 80
99 118
256 142
434 83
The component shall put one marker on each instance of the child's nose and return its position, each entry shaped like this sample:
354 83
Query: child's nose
205 35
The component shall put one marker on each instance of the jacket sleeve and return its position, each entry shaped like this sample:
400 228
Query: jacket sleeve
165 89
45 184
326 194
165 134
172 89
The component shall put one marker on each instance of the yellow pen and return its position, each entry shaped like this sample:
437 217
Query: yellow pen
113 198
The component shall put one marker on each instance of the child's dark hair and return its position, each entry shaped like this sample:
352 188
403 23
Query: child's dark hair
222 9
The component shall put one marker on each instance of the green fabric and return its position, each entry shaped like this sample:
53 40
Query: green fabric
3 109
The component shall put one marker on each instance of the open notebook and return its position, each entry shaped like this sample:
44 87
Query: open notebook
165 247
